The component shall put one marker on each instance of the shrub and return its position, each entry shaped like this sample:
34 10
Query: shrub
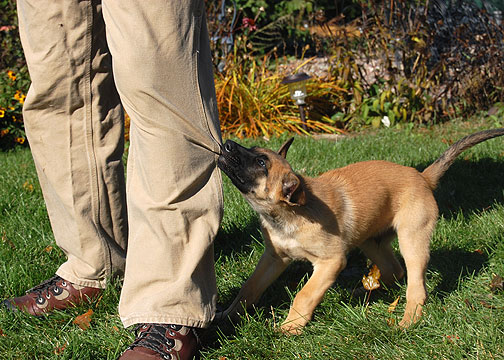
11 102
253 102
14 80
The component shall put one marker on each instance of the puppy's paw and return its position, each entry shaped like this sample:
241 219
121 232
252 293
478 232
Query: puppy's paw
291 328
411 315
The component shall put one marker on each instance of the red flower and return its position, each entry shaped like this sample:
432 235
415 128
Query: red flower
249 23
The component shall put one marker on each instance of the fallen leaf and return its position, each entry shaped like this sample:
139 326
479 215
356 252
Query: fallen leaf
116 329
372 281
497 283
489 306
7 241
2 333
28 186
393 305
468 304
84 321
391 308
48 249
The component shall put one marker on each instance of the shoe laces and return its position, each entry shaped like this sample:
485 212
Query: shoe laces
153 337
43 288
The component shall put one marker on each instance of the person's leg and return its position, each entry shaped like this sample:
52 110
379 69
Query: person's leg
74 124
162 66
163 72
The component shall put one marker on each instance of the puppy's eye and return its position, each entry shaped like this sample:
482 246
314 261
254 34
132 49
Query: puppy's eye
261 162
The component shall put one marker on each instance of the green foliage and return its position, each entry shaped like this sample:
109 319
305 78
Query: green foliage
11 53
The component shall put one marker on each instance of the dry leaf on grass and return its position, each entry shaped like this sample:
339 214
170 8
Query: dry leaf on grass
7 241
28 186
391 309
84 321
497 283
372 280
393 305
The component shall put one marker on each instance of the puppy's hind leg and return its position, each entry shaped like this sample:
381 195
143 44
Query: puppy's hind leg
414 240
380 252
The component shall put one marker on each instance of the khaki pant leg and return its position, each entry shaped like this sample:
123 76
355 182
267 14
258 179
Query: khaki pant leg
74 125
161 62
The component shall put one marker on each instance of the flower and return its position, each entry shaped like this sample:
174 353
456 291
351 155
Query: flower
4 132
20 140
249 23
11 75
386 121
6 28
2 113
19 96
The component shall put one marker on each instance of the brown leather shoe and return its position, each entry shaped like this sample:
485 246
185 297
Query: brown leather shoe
163 341
52 294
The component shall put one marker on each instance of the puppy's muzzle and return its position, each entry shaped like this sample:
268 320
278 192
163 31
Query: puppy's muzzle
231 153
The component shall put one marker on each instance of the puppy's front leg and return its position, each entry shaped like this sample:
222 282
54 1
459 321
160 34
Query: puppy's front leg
324 274
268 269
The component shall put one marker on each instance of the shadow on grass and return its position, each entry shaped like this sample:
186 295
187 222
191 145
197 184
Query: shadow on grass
236 238
470 186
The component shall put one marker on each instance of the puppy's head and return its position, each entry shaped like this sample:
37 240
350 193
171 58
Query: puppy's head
264 177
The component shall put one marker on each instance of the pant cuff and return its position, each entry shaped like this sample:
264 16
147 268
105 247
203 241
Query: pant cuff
153 318
100 284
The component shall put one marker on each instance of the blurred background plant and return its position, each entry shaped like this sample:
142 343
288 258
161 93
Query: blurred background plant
14 79
373 63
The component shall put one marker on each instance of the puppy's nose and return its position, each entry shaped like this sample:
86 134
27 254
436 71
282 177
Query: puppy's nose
229 146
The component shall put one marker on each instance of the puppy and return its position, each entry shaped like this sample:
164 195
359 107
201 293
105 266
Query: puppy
365 205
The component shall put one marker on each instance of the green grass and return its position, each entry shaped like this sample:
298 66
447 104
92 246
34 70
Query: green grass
464 318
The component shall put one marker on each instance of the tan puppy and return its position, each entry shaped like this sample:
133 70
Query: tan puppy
321 219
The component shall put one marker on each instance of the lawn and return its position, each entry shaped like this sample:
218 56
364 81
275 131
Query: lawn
465 311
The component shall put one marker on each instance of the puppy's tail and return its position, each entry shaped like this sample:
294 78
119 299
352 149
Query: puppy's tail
436 170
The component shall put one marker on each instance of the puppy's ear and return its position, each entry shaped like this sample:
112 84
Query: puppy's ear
292 190
283 149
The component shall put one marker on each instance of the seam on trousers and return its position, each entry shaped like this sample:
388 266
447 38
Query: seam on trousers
89 135
196 30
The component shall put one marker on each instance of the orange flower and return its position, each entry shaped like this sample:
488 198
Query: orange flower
4 132
2 113
20 140
11 75
19 96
